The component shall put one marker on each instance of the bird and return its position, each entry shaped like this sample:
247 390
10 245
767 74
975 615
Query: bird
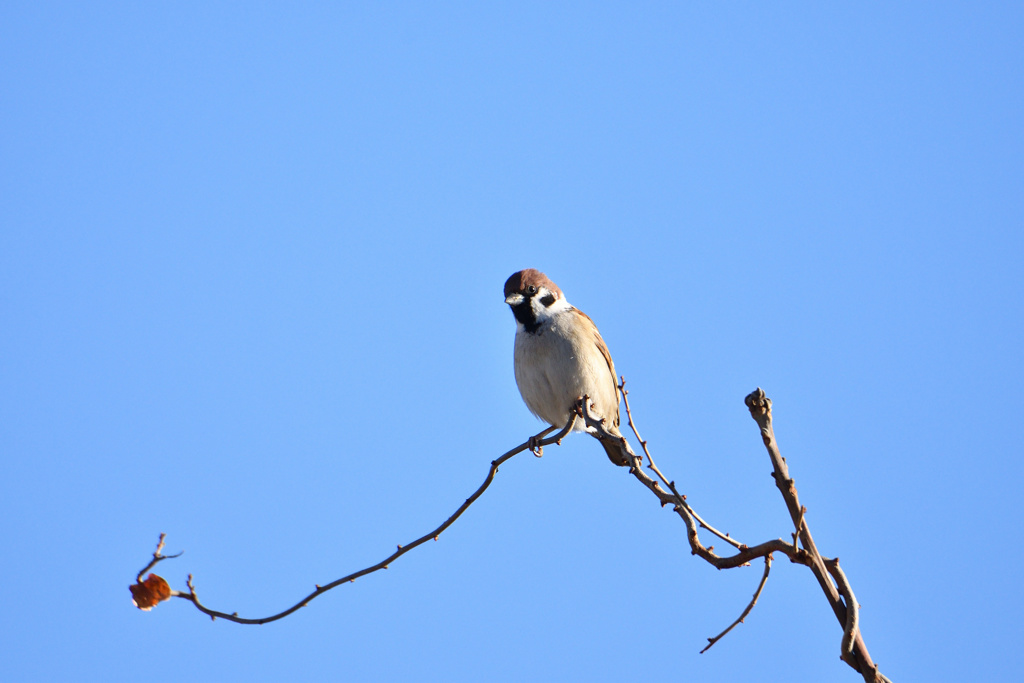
560 357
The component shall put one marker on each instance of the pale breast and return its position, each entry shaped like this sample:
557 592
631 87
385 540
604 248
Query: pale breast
559 364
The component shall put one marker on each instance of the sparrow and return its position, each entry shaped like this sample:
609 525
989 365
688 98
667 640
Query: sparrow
560 357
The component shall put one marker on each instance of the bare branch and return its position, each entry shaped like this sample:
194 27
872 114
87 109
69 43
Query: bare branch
856 654
839 594
680 500
750 605
851 629
158 557
761 410
683 509
534 443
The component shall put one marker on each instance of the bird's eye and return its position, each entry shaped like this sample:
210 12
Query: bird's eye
531 289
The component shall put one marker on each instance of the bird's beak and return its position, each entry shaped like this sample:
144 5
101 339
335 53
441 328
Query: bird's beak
514 299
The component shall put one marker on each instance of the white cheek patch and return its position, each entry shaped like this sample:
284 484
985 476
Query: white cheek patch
547 312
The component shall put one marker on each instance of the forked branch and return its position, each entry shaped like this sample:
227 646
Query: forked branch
801 549
853 650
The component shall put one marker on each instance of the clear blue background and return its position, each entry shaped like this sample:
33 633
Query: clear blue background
251 262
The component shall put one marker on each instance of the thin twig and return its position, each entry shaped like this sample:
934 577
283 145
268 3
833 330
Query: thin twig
158 557
852 627
746 553
680 499
750 605
534 442
799 524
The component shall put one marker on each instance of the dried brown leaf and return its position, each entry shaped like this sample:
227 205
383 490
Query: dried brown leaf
147 594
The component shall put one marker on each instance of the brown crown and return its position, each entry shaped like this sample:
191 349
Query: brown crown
520 282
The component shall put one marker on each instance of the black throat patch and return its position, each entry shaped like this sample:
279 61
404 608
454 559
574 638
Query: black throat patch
525 315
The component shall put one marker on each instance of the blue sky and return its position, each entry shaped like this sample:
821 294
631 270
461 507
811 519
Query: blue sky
251 263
